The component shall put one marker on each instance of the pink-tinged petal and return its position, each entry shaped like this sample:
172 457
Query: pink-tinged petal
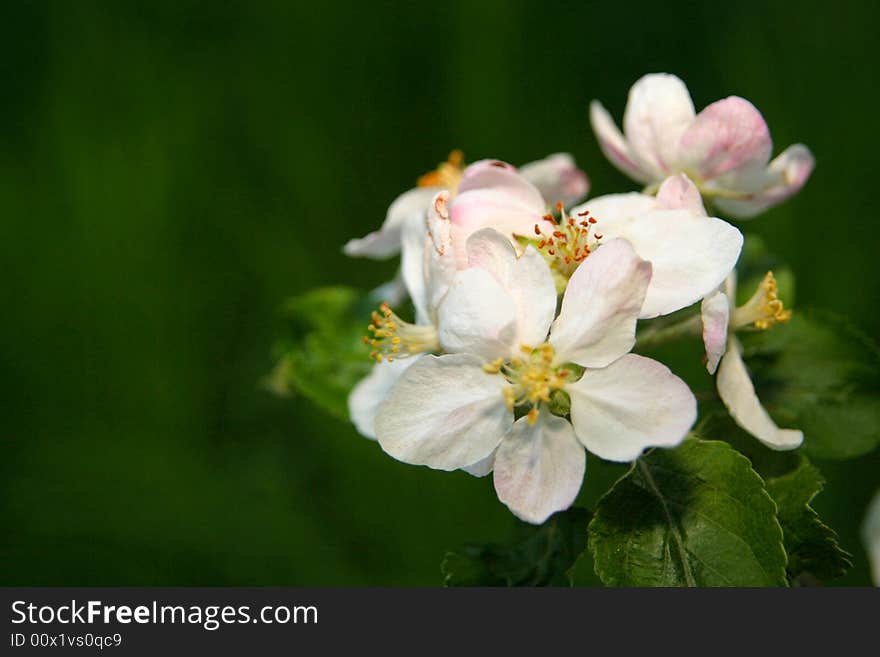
539 469
783 178
715 313
658 112
613 144
727 135
385 242
632 404
482 467
526 279
680 193
495 174
369 393
558 178
444 412
494 196
738 394
477 316
481 173
597 323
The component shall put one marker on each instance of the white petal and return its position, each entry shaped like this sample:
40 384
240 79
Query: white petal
738 394
691 255
539 469
612 208
445 412
385 242
558 178
527 279
371 391
477 316
764 188
871 536
414 240
614 146
658 112
632 404
440 263
715 313
597 323
482 467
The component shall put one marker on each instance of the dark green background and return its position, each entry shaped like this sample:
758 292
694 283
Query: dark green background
169 175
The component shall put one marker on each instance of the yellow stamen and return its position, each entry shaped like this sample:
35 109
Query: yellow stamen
494 367
531 381
447 174
764 309
571 242
394 338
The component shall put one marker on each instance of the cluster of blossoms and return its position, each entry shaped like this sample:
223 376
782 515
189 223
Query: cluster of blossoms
527 300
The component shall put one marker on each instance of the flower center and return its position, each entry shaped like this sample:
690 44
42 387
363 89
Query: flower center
764 309
531 380
447 174
569 245
391 337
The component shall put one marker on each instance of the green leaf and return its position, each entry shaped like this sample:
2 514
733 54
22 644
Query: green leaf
820 375
325 356
811 545
697 515
540 556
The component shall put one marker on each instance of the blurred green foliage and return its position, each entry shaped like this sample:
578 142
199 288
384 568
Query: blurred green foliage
170 173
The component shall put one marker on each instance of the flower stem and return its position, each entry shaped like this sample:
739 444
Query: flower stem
654 337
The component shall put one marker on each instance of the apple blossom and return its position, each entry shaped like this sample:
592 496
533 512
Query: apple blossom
725 149
490 193
721 319
556 178
496 396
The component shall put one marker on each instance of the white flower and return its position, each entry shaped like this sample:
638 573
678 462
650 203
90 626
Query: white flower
871 536
720 321
556 178
490 193
725 148
691 253
459 410
397 344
